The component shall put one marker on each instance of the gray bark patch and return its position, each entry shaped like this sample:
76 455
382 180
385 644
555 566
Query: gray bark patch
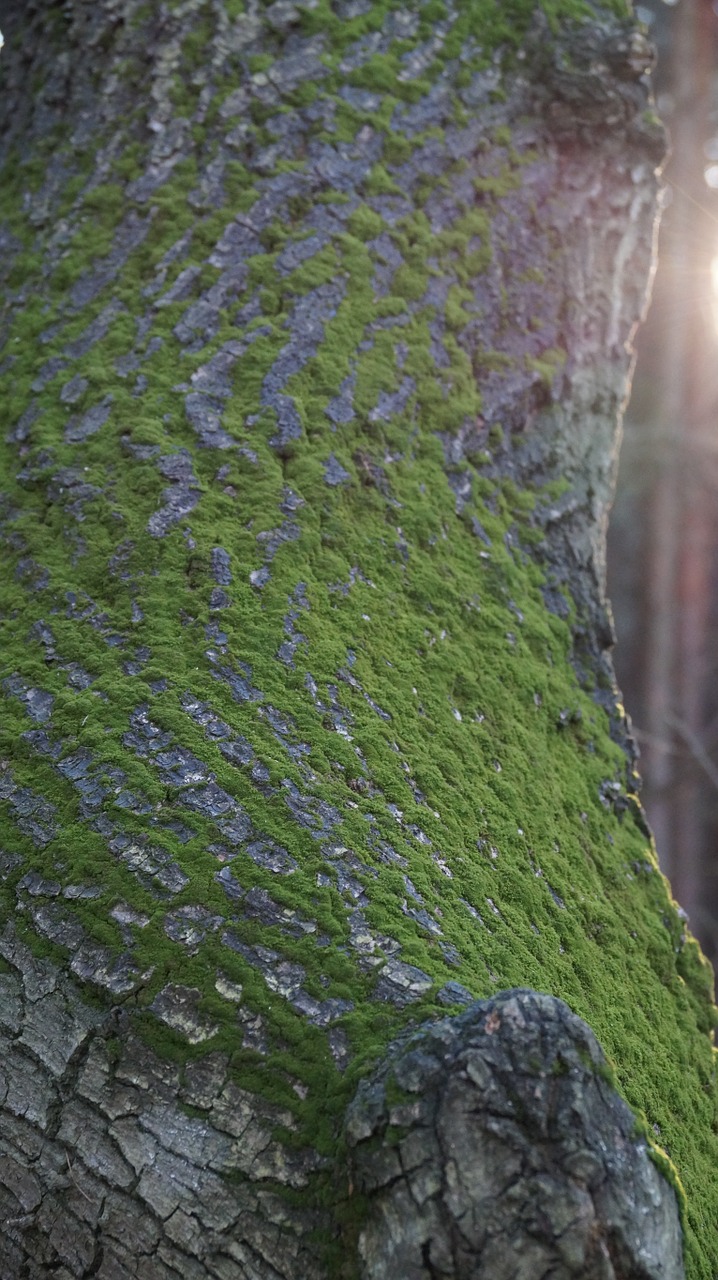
492 1146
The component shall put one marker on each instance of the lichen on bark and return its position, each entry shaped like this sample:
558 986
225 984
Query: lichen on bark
316 334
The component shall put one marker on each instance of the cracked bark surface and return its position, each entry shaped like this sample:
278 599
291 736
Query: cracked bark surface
102 1171
492 1147
253 823
490 1144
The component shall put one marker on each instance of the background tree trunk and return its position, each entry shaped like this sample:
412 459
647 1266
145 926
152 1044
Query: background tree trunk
316 336
661 559
679 574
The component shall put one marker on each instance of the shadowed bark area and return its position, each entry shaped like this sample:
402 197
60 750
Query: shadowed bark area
316 335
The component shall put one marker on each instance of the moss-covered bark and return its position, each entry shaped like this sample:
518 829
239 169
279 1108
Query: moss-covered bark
315 333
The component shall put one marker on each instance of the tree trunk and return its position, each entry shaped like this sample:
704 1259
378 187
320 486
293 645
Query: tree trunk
316 335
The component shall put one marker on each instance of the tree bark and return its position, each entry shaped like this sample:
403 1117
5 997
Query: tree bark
316 337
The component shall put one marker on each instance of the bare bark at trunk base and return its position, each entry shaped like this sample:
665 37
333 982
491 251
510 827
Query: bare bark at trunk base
494 1145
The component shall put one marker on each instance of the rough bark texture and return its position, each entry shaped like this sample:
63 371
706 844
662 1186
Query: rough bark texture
315 341
492 1145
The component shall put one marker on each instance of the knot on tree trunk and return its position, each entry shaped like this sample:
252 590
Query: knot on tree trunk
591 76
494 1145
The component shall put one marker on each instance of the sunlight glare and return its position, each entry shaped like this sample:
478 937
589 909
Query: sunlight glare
714 301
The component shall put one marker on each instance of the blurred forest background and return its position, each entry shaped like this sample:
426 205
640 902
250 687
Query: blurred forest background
663 532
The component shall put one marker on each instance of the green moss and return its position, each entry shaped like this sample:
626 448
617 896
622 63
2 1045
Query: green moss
499 184
260 62
548 365
457 300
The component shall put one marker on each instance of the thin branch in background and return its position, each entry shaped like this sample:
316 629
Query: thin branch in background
654 740
695 747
